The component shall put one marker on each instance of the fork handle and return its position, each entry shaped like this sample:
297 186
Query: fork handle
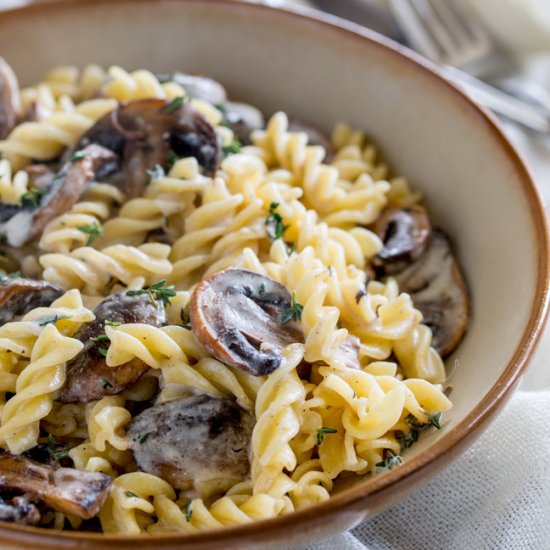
535 119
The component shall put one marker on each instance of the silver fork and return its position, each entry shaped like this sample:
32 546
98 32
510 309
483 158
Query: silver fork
449 34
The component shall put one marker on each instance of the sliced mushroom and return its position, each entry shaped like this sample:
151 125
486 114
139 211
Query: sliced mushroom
40 176
19 295
243 120
437 289
405 234
76 492
87 375
20 510
65 189
143 132
237 316
10 99
315 137
198 442
200 87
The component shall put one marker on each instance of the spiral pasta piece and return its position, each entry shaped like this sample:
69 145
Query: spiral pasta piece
92 270
34 389
12 186
80 226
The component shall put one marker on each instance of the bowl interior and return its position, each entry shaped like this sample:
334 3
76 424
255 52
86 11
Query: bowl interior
473 186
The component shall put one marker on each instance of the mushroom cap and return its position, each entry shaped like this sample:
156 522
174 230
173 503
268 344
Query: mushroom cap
197 86
438 290
10 99
198 442
19 295
243 119
76 492
142 133
237 316
405 234
87 375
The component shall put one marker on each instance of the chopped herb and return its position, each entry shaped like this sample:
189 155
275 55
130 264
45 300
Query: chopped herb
93 231
321 432
293 312
112 323
156 172
131 494
188 511
143 438
406 440
174 105
76 156
103 352
275 224
261 291
107 384
57 451
232 148
360 293
53 319
101 338
172 158
330 270
435 420
32 197
391 461
10 276
156 292
221 107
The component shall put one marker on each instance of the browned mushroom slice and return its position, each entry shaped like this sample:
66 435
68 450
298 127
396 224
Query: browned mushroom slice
198 86
19 295
87 375
64 191
198 442
20 510
143 132
405 234
243 120
76 492
237 316
437 289
315 137
10 99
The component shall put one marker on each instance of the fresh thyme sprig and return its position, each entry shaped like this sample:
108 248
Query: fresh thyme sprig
32 197
321 432
390 461
294 312
93 231
157 292
274 222
174 105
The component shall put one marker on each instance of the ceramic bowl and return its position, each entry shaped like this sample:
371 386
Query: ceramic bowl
322 71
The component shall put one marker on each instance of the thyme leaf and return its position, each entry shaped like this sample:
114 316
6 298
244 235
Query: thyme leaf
294 312
32 197
390 461
321 432
157 292
93 231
